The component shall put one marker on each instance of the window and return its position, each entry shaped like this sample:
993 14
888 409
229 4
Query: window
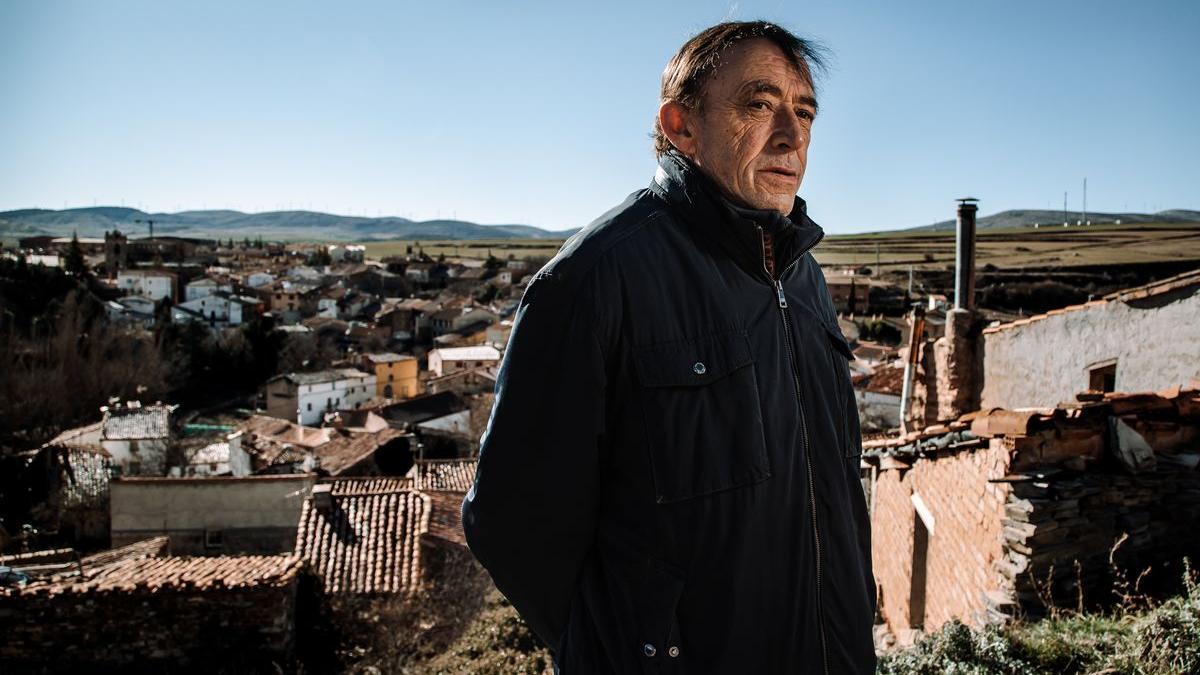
214 538
1103 376
310 406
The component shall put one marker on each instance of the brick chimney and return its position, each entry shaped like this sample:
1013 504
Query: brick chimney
961 374
322 496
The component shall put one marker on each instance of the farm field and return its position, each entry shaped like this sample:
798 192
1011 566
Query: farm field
466 248
1004 248
1019 247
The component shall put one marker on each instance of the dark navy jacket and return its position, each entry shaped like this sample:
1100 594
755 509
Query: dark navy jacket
669 478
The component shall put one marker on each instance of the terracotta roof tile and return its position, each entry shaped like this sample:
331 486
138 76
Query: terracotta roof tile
445 518
444 474
367 543
345 450
369 485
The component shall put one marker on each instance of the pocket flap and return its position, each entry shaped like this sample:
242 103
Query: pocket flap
839 341
689 363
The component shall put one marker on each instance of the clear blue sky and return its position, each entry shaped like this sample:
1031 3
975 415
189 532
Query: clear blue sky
539 113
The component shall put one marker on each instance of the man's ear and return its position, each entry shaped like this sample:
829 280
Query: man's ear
675 119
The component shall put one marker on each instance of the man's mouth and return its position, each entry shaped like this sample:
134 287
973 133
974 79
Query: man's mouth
780 171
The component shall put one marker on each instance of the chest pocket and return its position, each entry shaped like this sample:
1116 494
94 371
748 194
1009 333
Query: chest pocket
703 418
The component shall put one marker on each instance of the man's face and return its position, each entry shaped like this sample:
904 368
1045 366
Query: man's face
752 127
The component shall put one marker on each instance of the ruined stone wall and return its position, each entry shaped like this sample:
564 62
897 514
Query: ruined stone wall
968 513
141 627
1052 523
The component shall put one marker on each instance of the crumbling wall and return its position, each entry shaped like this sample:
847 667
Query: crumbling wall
968 511
1061 530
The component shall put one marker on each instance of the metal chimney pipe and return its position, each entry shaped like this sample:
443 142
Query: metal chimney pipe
964 254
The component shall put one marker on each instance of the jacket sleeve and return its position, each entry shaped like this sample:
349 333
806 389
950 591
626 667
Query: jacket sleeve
530 517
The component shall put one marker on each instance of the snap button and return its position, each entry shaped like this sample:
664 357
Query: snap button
649 650
673 651
699 368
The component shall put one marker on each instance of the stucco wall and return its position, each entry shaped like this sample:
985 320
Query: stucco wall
256 514
1156 342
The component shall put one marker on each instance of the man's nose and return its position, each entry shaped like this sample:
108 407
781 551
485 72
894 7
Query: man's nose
790 132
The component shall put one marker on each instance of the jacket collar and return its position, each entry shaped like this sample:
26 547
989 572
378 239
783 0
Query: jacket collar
734 228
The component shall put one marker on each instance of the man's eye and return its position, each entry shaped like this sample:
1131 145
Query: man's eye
759 104
804 114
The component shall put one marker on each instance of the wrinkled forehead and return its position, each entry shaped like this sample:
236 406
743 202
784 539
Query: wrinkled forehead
759 66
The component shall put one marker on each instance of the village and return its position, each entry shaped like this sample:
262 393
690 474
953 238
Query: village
1010 460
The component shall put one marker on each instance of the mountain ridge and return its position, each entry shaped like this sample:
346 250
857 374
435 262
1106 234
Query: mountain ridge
1050 217
94 221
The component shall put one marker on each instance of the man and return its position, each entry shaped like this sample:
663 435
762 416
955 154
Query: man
669 478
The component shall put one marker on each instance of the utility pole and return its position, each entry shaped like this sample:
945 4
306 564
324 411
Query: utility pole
1064 208
1084 218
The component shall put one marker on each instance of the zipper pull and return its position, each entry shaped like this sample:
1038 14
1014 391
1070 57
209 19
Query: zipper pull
779 293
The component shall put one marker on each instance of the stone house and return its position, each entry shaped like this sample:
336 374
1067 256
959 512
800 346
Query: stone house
153 284
452 359
305 397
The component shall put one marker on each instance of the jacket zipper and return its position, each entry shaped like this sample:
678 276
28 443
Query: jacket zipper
781 300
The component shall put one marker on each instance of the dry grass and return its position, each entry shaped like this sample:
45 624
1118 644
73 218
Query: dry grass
1138 637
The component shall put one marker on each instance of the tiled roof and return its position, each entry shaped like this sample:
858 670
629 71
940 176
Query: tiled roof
78 435
423 408
369 485
151 421
284 431
345 450
152 547
387 357
445 517
1174 403
186 573
324 376
887 379
365 543
444 474
142 567
1170 284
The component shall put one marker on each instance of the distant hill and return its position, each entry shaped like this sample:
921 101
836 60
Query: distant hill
1028 217
277 225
